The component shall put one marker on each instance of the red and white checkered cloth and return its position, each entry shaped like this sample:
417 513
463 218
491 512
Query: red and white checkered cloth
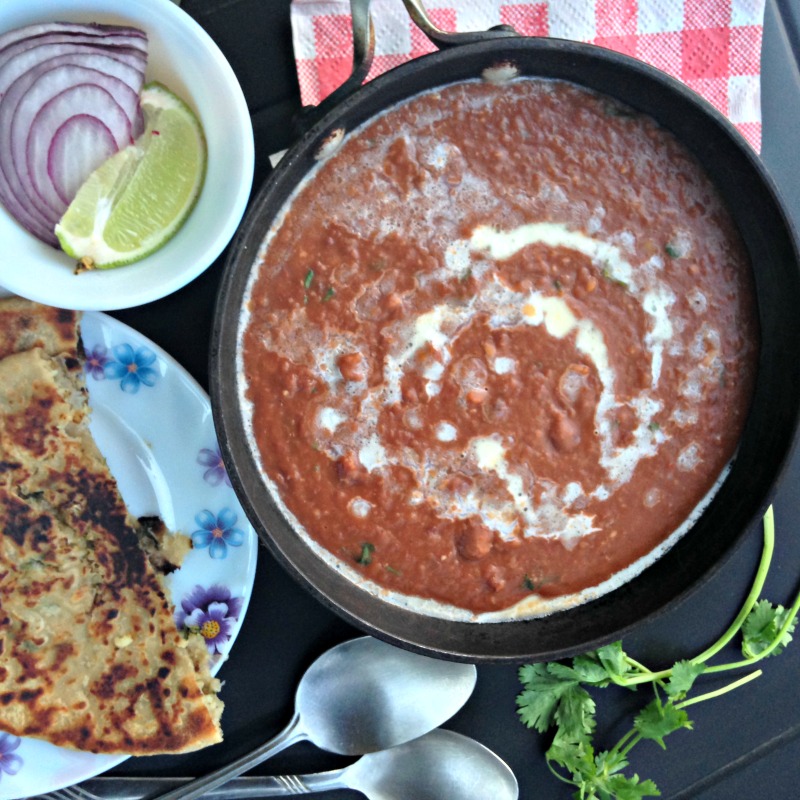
714 46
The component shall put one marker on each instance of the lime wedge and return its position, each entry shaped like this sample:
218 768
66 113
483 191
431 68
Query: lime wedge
135 202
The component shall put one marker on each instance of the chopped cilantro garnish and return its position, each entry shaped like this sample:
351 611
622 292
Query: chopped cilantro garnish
330 293
529 583
557 695
615 110
609 276
365 557
654 426
309 278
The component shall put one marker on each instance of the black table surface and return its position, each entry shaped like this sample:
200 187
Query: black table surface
744 745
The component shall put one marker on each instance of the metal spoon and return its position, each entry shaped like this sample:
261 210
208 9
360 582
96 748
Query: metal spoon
438 766
359 697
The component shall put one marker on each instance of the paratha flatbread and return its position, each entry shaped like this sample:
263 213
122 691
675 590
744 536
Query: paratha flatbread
90 656
25 325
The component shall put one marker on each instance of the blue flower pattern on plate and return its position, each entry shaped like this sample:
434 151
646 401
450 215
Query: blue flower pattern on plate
132 368
10 762
212 612
96 360
217 532
211 459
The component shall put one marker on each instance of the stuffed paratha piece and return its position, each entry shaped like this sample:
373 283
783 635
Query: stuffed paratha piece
90 656
25 325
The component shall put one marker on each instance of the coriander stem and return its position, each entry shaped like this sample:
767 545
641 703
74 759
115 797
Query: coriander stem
623 751
617 748
636 665
628 747
717 692
751 600
752 597
651 676
558 774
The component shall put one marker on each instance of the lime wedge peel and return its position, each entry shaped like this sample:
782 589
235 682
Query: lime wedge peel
136 201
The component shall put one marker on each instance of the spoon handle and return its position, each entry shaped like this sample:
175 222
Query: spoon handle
200 786
113 788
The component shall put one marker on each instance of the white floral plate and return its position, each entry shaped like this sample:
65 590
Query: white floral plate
153 423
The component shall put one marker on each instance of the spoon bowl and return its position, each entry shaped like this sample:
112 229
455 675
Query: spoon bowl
439 764
366 695
359 697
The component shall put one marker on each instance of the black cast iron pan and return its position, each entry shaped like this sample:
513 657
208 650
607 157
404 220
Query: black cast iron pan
770 431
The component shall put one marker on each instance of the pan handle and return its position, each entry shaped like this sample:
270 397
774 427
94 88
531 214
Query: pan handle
444 39
363 51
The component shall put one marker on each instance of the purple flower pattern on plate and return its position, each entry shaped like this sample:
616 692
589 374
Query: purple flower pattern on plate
212 613
211 459
10 762
96 360
132 368
217 532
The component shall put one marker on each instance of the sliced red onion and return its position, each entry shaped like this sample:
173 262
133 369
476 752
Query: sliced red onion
130 76
28 94
136 37
78 147
69 98
50 119
24 56
19 209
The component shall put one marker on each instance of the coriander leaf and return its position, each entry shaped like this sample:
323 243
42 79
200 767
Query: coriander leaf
655 721
613 658
545 687
309 277
543 675
624 788
683 677
537 708
599 779
575 713
610 762
761 628
574 755
610 785
590 670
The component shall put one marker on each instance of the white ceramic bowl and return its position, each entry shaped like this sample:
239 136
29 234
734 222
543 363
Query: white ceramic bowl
183 57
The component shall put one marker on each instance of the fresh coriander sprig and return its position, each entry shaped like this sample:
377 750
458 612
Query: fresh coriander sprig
555 694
